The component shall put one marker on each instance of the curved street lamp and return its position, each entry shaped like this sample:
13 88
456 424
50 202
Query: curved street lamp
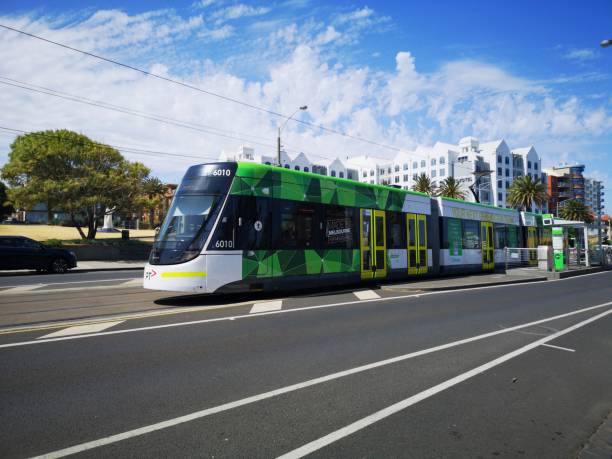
606 43
278 139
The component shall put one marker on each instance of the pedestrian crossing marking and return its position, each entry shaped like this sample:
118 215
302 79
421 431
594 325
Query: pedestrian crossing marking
366 294
266 307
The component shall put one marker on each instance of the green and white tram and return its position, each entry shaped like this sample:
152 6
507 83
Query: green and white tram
246 226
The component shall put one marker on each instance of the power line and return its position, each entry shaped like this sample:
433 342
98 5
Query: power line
138 113
201 90
138 151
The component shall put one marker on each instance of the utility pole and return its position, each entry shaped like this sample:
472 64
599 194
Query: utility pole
278 138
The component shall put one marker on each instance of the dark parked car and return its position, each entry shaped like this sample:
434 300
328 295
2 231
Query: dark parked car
18 252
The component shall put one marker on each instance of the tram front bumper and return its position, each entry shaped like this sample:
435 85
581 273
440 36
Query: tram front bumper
187 277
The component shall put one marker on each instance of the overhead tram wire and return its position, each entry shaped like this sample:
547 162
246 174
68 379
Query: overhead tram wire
204 91
133 150
138 113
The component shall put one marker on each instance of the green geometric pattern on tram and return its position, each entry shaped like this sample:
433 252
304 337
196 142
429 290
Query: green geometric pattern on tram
267 181
270 263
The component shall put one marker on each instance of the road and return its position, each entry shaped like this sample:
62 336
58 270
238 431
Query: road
505 371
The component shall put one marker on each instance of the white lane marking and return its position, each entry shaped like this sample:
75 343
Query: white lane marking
75 282
131 282
266 306
21 288
350 429
366 294
559 347
82 329
273 393
282 311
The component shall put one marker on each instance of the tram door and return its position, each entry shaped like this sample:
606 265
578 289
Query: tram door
373 243
486 236
531 243
417 243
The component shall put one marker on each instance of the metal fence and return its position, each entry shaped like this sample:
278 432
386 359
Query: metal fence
575 257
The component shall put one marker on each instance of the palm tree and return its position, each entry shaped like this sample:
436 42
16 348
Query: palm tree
525 192
423 184
451 188
576 211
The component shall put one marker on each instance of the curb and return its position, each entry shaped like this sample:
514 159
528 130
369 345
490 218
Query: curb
468 286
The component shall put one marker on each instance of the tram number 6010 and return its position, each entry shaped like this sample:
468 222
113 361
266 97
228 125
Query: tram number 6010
221 173
224 244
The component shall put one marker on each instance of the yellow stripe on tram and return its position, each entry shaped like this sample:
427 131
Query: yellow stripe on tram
184 274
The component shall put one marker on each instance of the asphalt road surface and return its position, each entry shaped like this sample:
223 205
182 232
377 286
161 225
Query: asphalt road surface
505 371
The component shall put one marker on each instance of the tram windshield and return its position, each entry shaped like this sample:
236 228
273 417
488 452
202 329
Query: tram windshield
192 214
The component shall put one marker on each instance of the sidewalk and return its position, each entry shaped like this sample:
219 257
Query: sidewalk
108 265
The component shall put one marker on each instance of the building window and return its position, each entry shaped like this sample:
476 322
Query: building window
287 166
382 172
442 160
405 166
528 164
507 160
372 173
433 161
349 175
535 166
415 165
500 184
500 197
423 163
306 169
372 182
405 177
268 163
389 169
341 174
433 173
297 168
442 172
365 173
499 171
333 173
499 158
414 176
507 172
507 184
396 179
397 168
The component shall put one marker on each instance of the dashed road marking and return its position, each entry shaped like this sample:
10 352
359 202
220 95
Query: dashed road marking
559 347
266 306
82 329
366 294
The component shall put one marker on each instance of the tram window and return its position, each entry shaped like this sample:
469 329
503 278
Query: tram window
307 226
396 230
339 226
224 237
500 239
285 225
471 234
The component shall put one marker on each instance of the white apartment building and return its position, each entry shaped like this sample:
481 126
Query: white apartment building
486 170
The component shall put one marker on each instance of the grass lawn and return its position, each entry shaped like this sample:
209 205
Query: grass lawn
64 233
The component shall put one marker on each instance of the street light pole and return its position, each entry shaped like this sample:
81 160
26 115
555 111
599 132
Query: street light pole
278 139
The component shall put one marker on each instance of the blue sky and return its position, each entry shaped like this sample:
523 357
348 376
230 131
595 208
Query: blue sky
401 73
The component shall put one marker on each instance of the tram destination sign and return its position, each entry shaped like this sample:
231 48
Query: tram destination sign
468 211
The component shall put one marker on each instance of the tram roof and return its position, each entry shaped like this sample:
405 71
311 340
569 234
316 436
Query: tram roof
243 167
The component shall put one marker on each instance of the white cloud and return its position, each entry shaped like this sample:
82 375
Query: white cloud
585 54
356 15
302 64
239 11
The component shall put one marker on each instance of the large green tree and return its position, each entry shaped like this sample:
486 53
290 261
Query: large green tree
525 192
153 192
69 172
451 188
576 211
5 206
423 184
